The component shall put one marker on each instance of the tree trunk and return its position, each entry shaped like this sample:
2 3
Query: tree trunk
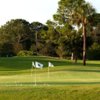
74 57
84 41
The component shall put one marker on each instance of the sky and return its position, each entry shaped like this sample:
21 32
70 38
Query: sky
32 10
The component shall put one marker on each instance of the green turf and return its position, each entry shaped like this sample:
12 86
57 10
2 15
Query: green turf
17 79
50 93
19 70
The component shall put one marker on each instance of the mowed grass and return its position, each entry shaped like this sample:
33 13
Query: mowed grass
50 93
65 81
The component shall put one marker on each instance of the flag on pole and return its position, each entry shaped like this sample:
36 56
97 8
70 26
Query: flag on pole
33 64
38 65
50 64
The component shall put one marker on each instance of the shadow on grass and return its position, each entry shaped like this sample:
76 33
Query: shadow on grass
93 65
48 83
24 63
75 70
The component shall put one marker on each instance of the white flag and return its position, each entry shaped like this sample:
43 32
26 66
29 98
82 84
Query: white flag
33 64
50 64
38 65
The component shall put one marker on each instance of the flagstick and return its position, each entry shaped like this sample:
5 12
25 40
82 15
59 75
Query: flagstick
48 73
35 78
32 72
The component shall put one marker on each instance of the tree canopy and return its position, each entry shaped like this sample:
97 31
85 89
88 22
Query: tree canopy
74 30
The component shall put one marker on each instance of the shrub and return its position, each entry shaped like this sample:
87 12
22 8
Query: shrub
94 52
25 53
6 50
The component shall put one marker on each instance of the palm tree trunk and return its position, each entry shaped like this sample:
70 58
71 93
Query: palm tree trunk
84 41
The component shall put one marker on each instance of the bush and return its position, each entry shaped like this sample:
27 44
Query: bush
94 52
25 53
6 50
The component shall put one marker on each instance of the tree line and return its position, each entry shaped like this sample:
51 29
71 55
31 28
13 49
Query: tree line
73 32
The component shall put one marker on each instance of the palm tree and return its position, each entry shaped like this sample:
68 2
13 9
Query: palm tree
84 11
75 12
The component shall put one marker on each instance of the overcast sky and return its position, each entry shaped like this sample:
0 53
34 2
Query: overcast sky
32 10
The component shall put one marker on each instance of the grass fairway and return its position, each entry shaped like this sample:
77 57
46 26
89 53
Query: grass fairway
50 93
65 81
